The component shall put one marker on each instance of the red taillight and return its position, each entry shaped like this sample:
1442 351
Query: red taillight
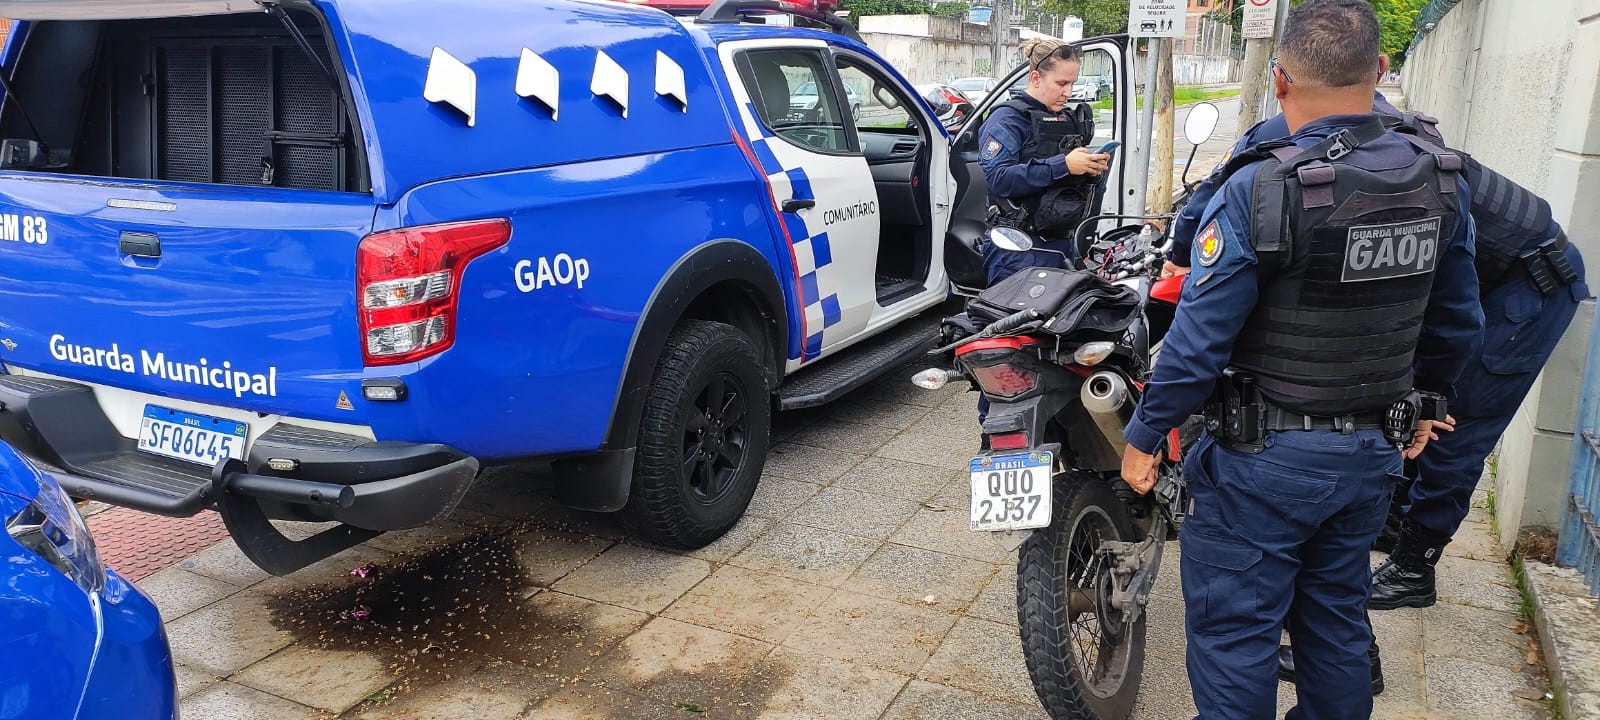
1008 441
1005 380
407 284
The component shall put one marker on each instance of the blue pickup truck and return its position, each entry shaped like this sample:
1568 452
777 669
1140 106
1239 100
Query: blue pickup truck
325 259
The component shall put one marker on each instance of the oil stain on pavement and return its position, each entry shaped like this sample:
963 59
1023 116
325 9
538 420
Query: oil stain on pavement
471 609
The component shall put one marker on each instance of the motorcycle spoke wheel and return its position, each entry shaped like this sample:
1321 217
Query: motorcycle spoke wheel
1084 656
1101 657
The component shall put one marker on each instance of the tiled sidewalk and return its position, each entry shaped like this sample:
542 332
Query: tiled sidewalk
852 590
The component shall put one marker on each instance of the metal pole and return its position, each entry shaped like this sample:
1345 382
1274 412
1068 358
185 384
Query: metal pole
1147 119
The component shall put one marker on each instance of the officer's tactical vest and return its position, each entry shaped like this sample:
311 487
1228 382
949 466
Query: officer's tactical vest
1058 208
1510 219
1346 256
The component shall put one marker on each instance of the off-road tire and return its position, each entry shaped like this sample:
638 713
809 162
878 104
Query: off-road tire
1042 607
662 507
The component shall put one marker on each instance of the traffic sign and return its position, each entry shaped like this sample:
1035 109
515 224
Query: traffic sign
1260 19
1157 18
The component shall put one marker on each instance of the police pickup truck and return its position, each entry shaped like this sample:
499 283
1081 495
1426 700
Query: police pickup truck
323 260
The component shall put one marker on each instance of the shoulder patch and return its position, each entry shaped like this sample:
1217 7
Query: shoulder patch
1208 245
990 150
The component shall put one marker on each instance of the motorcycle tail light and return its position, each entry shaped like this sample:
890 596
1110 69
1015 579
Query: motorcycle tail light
1005 380
1008 441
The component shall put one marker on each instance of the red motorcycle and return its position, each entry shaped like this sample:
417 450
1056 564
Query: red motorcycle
1060 385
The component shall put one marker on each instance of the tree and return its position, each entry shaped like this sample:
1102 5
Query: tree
1100 17
862 8
952 9
1397 23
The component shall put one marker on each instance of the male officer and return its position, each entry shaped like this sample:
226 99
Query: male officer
1314 285
1532 281
1040 176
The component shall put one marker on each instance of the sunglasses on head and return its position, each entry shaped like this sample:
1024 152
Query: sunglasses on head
1065 52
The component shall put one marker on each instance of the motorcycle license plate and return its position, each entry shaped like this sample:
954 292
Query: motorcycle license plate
1011 492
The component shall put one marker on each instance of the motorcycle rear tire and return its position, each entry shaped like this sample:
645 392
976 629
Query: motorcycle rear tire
1043 577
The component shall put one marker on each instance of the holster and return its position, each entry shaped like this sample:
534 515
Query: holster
1236 414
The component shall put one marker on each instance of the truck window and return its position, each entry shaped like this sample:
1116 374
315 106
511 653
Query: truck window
880 104
795 98
232 99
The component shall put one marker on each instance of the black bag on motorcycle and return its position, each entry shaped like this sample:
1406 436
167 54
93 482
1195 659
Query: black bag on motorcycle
1070 299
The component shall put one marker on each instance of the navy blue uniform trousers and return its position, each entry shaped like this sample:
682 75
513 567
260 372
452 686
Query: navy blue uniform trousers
1277 540
1521 330
1000 264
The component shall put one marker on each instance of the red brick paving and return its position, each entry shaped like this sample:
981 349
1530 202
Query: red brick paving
136 544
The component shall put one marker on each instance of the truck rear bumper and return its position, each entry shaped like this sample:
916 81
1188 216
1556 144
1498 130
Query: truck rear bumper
291 471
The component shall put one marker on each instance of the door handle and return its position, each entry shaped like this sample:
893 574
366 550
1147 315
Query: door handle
139 245
797 204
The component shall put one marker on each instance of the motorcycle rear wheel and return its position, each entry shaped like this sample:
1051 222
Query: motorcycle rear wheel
1084 658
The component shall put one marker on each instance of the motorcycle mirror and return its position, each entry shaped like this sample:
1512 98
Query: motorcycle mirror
1201 124
1009 239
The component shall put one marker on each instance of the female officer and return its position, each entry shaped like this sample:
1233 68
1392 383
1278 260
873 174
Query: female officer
1041 178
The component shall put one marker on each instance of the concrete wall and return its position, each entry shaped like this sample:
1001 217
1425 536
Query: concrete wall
1202 69
1192 69
936 49
1517 84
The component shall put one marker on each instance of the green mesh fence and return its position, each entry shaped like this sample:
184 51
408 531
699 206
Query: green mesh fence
1430 15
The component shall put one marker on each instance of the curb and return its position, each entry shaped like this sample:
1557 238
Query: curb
1565 616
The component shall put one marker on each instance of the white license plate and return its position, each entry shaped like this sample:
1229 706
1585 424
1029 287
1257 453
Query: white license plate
200 439
1011 492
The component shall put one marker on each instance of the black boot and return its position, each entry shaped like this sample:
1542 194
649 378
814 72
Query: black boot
1286 666
1406 579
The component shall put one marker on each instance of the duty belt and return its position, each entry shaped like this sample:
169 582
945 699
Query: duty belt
1546 267
1278 419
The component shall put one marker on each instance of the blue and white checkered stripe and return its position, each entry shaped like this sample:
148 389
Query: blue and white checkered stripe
813 257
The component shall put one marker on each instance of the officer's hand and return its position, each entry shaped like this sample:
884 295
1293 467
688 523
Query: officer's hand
1171 269
1448 424
1419 439
1082 162
1139 470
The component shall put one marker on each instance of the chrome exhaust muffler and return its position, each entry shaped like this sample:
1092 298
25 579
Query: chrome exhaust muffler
1105 396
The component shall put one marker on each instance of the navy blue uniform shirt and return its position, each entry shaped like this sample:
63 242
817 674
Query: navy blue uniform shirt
999 153
1274 128
1219 298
